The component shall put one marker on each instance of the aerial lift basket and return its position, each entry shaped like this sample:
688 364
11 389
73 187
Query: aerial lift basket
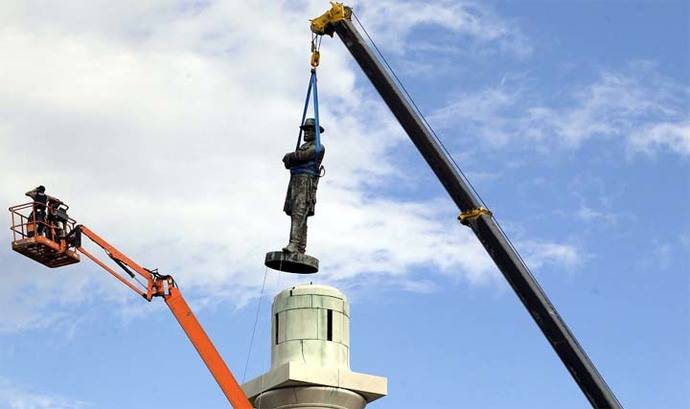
39 238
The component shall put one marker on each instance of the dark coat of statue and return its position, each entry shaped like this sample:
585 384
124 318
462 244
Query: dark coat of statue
300 200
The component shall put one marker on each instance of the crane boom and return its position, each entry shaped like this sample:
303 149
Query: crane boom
479 219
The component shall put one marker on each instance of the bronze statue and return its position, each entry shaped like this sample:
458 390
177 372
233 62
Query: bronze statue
305 168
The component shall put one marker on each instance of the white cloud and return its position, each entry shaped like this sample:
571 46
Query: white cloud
589 214
672 136
163 124
30 300
638 105
392 22
13 397
537 254
485 114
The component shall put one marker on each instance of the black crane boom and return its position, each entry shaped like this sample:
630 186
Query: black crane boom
480 221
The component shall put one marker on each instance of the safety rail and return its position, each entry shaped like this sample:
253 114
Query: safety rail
25 224
38 232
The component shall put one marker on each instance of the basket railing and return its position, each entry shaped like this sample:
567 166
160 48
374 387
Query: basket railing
26 222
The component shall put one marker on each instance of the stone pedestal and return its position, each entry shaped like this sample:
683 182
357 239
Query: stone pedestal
310 397
292 262
310 355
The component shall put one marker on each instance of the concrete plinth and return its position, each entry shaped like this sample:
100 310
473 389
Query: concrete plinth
310 355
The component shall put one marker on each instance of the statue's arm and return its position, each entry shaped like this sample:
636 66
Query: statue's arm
301 156
304 155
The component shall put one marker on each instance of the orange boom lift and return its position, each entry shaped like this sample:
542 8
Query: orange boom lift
53 249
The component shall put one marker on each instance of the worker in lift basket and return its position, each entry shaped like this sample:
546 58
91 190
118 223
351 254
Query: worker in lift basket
57 219
305 169
37 218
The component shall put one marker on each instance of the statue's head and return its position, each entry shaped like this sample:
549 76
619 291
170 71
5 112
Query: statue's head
309 128
41 189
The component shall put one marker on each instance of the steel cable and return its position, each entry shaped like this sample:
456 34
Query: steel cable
436 137
256 321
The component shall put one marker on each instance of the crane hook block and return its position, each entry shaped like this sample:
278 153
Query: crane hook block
324 23
315 57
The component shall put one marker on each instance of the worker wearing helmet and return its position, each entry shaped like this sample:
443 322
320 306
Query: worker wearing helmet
305 168
37 218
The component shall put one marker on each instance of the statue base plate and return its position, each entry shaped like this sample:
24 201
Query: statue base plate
292 262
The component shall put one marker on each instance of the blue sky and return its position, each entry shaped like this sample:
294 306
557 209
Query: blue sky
163 124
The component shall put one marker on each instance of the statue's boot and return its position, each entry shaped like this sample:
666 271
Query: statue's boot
293 259
295 236
291 248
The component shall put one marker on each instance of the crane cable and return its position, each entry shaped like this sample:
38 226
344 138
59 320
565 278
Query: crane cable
414 104
256 322
315 47
440 142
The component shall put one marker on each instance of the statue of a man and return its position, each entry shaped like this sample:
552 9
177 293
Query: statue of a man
305 167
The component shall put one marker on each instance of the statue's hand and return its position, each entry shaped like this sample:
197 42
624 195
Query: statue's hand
286 161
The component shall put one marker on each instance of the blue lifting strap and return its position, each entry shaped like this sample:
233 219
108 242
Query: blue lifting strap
316 113
304 111
311 91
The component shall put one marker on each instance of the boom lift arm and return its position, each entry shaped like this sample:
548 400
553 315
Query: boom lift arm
473 213
164 286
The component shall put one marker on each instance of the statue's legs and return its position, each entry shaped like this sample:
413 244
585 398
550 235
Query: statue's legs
300 211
